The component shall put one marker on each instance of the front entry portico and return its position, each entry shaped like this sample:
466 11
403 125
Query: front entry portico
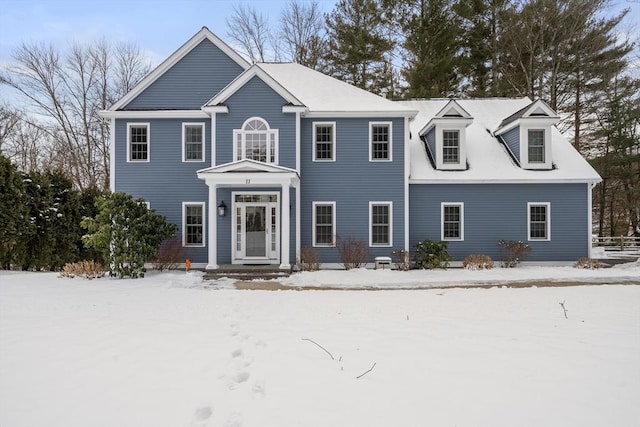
260 231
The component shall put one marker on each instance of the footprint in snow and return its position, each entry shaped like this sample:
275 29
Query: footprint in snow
201 416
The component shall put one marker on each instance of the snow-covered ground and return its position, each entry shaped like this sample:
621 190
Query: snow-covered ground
167 351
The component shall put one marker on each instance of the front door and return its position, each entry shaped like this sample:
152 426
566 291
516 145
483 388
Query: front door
256 238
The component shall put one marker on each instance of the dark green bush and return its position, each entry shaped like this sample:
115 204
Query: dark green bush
431 254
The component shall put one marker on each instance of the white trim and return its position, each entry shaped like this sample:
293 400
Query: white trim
136 124
390 142
212 215
389 204
407 176
524 147
269 132
204 139
294 109
184 225
175 57
448 204
418 181
213 109
154 114
213 139
547 205
333 142
298 227
112 155
359 114
333 224
590 218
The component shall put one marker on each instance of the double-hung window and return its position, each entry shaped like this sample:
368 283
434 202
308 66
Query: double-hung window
138 142
380 141
536 146
380 223
256 141
324 141
193 223
193 142
451 146
539 227
324 223
452 215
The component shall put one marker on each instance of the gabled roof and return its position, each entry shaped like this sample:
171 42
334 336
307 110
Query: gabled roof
452 112
325 95
242 79
203 34
535 109
488 159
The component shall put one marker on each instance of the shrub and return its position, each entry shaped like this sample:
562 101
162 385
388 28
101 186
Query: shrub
512 252
431 254
126 233
353 253
588 263
309 259
402 259
86 269
478 262
170 254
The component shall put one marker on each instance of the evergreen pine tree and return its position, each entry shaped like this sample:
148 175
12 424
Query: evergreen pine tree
14 215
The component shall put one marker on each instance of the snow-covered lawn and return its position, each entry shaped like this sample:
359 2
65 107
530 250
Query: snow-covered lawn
167 351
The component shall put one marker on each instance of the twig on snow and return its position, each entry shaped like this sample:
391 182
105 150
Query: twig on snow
564 309
370 369
327 351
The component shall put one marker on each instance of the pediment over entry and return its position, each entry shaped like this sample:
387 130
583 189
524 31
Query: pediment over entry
246 165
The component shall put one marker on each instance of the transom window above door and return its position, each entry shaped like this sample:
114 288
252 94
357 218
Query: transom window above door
256 141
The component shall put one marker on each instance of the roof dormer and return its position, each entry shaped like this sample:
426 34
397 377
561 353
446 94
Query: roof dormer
527 134
445 137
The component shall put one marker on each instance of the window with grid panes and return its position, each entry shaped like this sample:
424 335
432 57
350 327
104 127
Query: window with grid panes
380 224
193 142
380 138
324 224
536 146
193 225
452 222
451 146
538 222
323 137
138 143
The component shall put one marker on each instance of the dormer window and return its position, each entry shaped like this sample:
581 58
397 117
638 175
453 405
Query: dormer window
536 146
451 146
445 137
527 135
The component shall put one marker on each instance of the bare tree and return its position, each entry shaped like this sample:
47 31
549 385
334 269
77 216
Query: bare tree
303 32
8 122
250 29
64 93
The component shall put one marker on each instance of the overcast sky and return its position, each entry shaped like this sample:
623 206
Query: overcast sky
159 27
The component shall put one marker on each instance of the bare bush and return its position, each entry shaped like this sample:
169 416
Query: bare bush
478 262
170 255
512 252
86 269
353 253
309 259
402 259
588 263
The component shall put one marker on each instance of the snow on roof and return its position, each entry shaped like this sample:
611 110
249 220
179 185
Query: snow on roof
321 93
488 158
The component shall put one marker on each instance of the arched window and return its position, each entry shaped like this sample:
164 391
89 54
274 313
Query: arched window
256 141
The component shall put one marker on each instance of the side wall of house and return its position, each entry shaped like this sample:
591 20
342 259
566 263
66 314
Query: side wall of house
431 143
165 181
499 211
352 181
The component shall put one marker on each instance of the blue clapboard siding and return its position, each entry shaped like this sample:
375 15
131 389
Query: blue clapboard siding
431 142
512 139
225 223
499 211
190 83
352 181
256 99
165 182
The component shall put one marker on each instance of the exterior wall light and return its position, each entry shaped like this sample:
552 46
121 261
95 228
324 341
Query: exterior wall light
221 208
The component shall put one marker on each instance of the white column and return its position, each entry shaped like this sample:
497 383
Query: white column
285 228
213 229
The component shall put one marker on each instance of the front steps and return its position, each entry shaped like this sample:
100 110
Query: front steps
247 272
